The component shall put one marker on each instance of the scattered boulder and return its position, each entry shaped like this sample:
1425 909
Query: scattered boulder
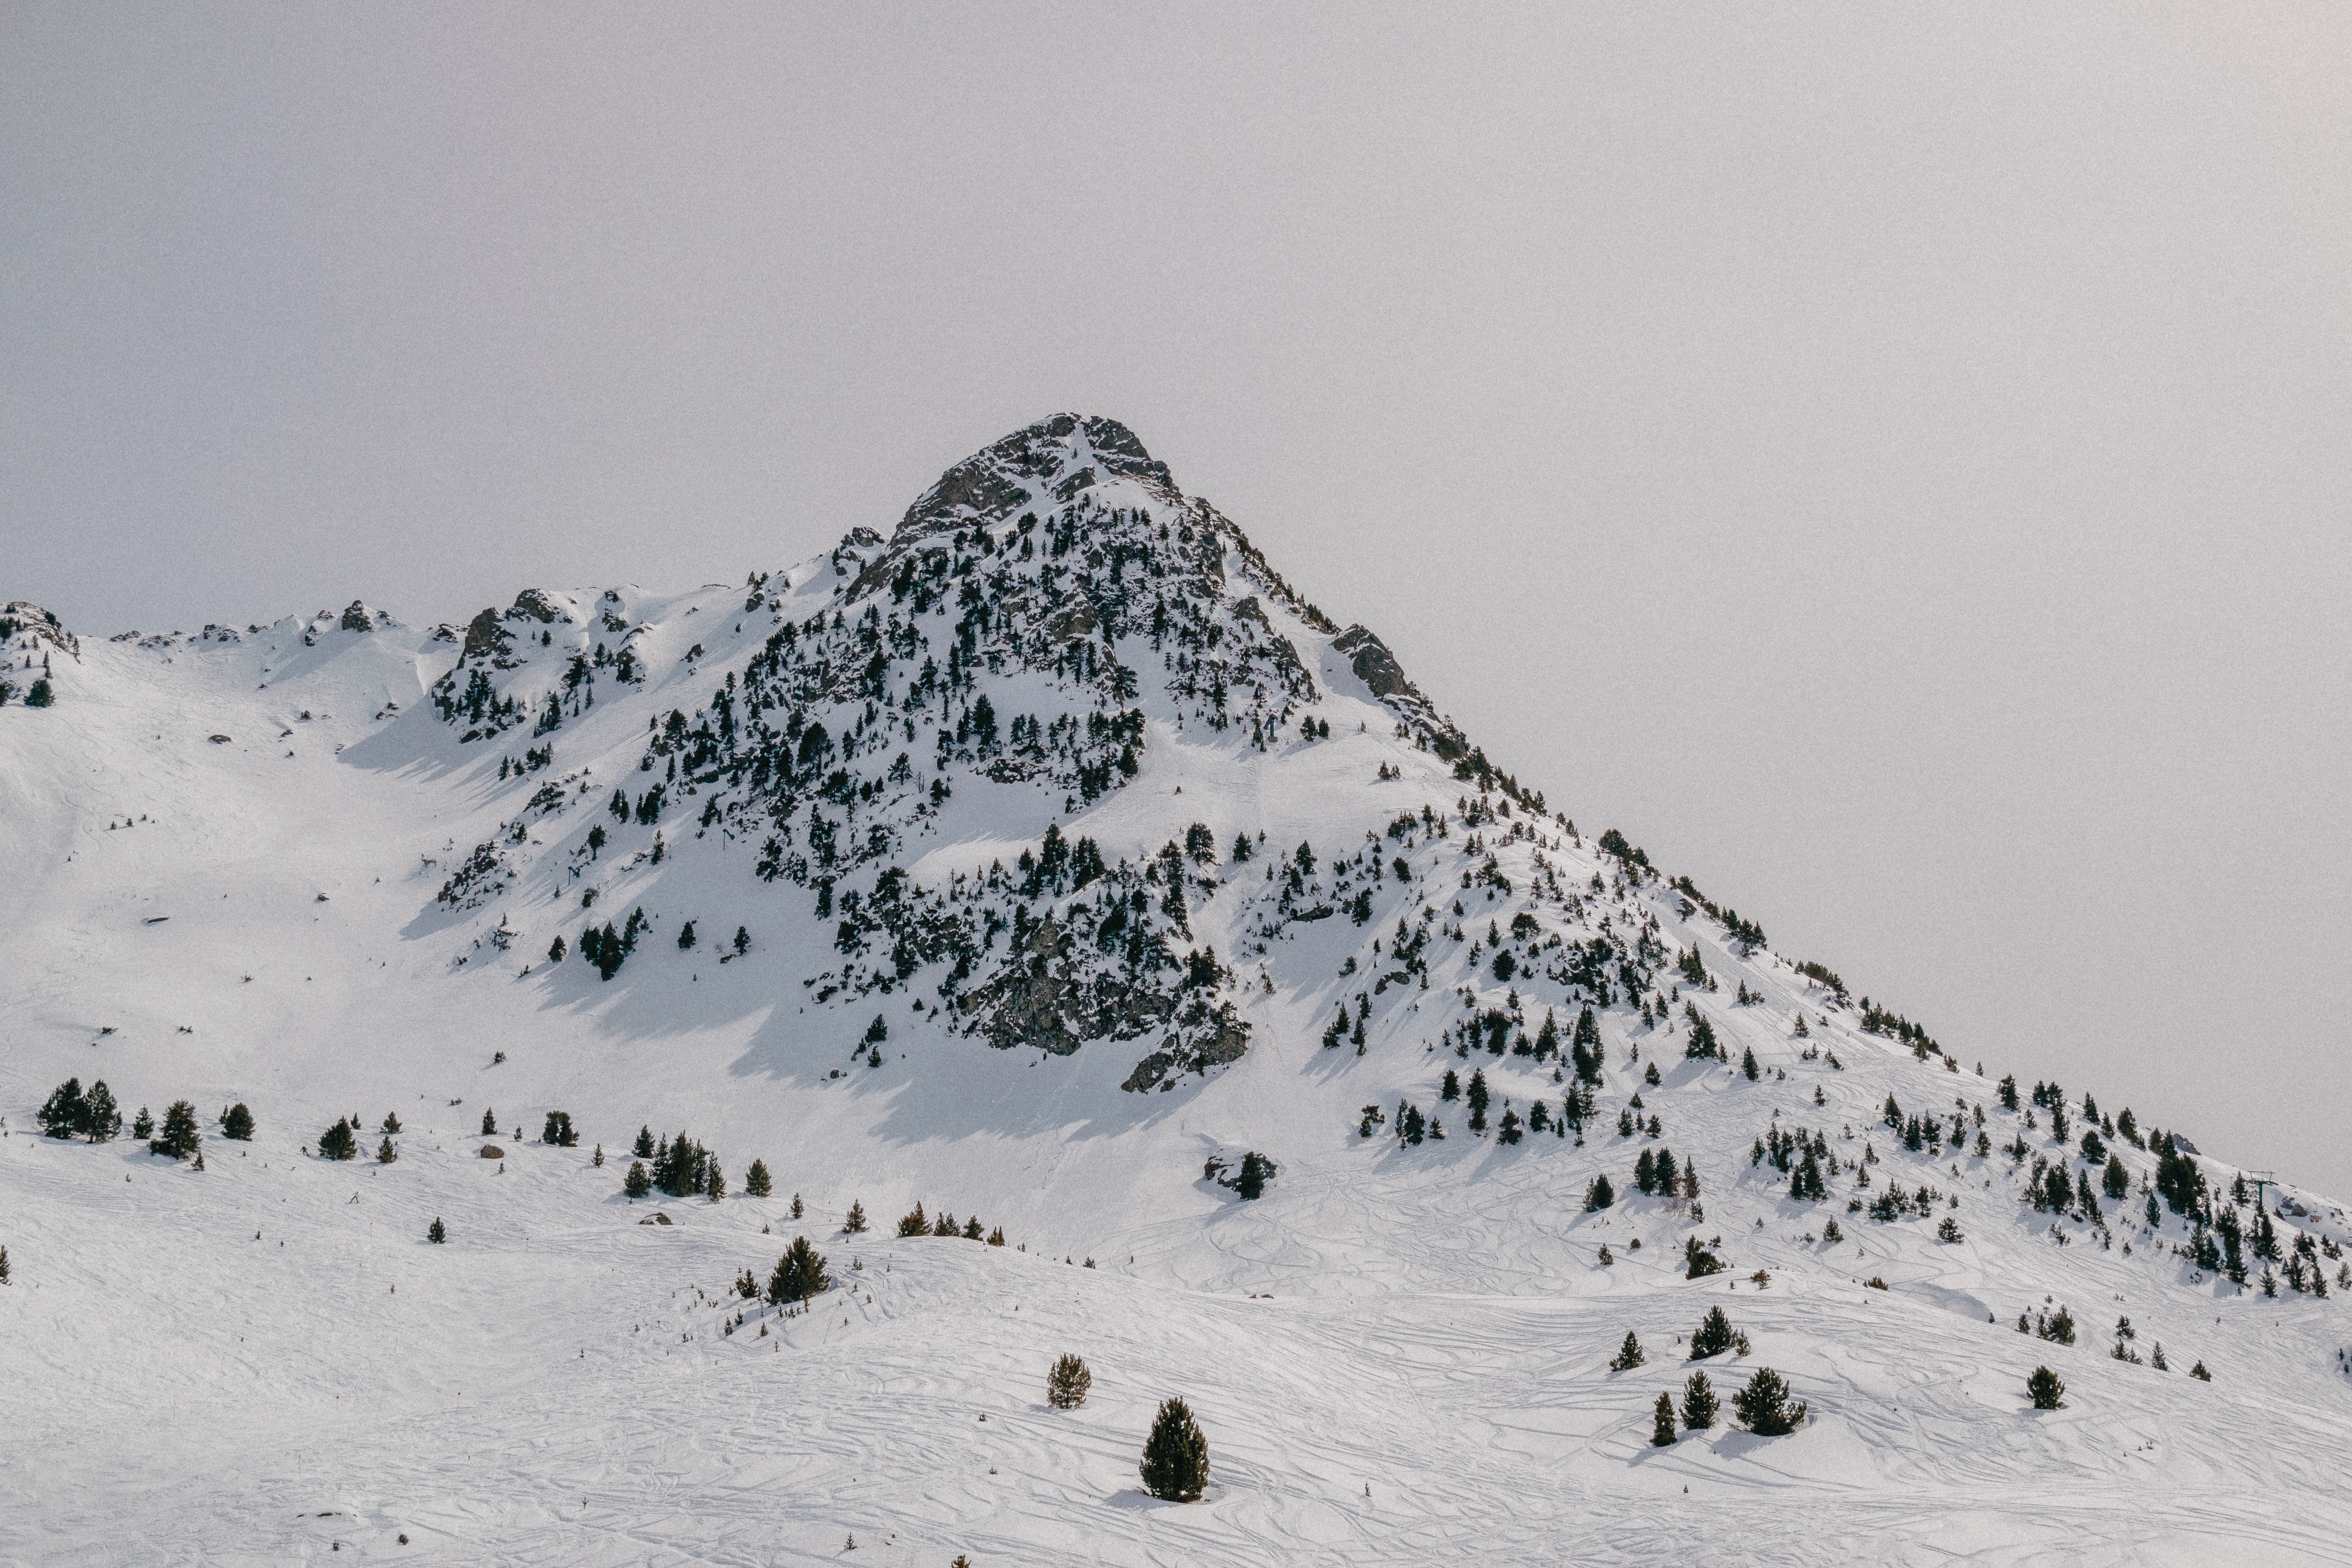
492 1152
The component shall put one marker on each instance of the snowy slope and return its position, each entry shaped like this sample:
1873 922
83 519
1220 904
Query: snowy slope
347 905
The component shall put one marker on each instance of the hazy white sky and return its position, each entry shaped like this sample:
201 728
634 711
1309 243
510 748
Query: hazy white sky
1889 460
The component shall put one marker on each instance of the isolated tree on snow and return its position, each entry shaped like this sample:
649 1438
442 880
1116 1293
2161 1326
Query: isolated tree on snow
1763 1405
385 1154
1698 1403
1478 1097
1747 1064
636 1183
337 1142
855 1224
755 1179
237 1124
1662 1429
556 949
1629 1354
3 1266
1175 1466
143 1127
914 1221
742 941
800 1274
1598 1195
179 1138
798 1211
1068 1384
436 1232
644 1145
2046 1392
1712 1337
489 1123
1256 1171
2199 1374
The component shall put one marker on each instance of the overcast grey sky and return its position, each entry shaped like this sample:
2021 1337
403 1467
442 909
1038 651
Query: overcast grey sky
1888 459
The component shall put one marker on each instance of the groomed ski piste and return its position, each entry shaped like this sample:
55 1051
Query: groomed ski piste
240 867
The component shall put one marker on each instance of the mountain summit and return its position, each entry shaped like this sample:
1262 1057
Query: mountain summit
1051 860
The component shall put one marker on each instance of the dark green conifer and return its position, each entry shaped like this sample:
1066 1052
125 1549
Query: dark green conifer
1713 1336
855 1224
1662 1425
1175 1466
385 1154
2044 1389
1763 1407
1629 1354
645 1145
489 1123
179 1137
800 1274
755 1181
1747 1064
1698 1403
1068 1384
636 1183
436 1232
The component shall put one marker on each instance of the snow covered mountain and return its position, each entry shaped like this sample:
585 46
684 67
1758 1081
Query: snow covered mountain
1035 863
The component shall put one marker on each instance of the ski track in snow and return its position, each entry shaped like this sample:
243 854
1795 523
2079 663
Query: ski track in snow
265 1362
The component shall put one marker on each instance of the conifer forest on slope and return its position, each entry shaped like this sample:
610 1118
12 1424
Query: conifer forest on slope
1049 868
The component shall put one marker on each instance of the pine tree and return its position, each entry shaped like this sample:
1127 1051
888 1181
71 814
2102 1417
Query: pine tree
645 1145
436 1232
391 1121
1067 1383
61 1114
742 941
1763 1405
714 1187
1479 1098
556 950
798 1211
489 1123
755 1181
636 1183
800 1274
179 1139
144 1127
101 1119
1661 1428
2199 1374
1598 1195
1698 1403
854 1225
1713 1336
1629 1354
1748 1063
2044 1389
1255 1172
914 1221
1175 1466
337 1142
385 1154
3 1266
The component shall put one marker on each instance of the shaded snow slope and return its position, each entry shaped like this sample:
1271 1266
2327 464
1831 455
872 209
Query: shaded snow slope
318 867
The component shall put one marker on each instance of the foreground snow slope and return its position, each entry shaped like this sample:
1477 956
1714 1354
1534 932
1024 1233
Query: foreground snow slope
345 907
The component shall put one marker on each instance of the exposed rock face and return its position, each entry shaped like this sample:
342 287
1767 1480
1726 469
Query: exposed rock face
1374 664
24 618
483 635
534 605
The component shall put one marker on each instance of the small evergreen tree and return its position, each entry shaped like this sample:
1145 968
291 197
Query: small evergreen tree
436 1232
2199 1374
798 1211
743 941
489 1123
40 696
3 1266
556 950
914 1221
800 1274
1629 1354
1698 1263
1067 1383
1763 1405
2044 1389
1175 1466
143 1126
1747 1068
62 1114
714 1187
337 1142
179 1139
1698 1403
636 1183
1598 1194
1478 1098
755 1179
644 1149
686 936
1712 1337
391 1123
101 1119
1256 1171
855 1224
1661 1428
385 1154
